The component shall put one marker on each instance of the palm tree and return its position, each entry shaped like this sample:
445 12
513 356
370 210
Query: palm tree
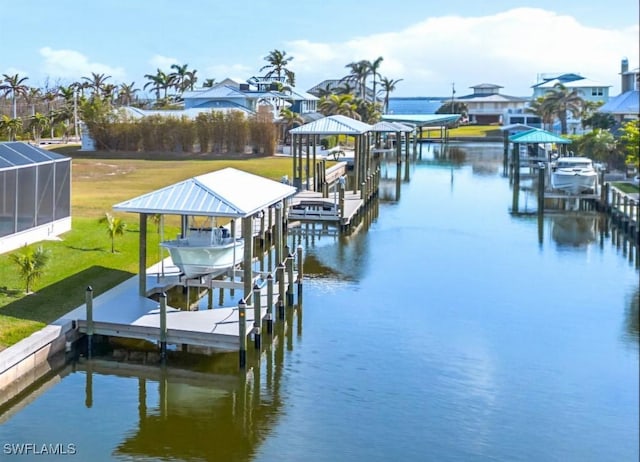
290 120
115 227
159 81
31 263
278 61
388 85
190 80
37 124
14 85
32 97
10 126
178 77
564 101
453 107
360 70
373 68
541 107
126 93
96 82
339 104
208 83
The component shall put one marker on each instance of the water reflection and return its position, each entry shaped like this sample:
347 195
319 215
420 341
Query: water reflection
574 230
185 414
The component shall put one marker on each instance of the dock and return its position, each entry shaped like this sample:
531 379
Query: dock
122 312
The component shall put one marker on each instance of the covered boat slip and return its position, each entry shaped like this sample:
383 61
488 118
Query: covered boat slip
127 311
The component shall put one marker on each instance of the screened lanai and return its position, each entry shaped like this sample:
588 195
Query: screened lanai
35 194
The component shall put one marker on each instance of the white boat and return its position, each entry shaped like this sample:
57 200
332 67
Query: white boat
574 175
205 250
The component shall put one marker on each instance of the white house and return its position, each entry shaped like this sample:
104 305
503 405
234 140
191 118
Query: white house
487 106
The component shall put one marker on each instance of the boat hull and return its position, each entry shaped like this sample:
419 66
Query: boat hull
574 182
198 260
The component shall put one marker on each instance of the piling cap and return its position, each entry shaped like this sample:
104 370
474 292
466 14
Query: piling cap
242 302
163 294
256 287
89 289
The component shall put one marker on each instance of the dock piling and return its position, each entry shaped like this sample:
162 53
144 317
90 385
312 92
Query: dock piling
242 332
300 275
163 327
289 265
257 316
270 304
89 301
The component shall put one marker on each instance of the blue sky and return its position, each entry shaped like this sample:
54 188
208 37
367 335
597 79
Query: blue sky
429 44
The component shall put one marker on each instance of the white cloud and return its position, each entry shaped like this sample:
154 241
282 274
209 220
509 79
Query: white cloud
219 72
508 49
71 64
163 63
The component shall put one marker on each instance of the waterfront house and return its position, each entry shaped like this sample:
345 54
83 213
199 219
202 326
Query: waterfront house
487 106
272 92
625 106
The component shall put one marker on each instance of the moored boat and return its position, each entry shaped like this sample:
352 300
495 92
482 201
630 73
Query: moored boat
205 250
574 175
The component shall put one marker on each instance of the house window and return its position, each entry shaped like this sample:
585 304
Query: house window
597 92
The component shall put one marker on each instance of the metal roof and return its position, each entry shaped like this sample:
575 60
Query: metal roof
391 127
332 125
423 120
17 154
625 103
537 136
224 193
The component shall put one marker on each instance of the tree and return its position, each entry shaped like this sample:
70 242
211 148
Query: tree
373 69
631 141
278 62
388 85
541 107
339 104
31 263
115 227
96 82
359 72
290 120
159 81
179 76
10 126
14 85
37 124
453 107
208 83
126 93
563 101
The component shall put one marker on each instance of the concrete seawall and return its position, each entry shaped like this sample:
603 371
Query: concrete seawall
22 364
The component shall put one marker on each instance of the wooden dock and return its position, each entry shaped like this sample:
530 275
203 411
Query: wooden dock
312 206
122 312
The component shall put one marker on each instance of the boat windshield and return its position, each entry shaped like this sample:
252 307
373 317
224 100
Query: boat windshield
574 165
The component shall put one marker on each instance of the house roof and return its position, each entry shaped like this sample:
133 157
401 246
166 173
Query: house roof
487 85
332 125
18 154
385 126
190 113
423 120
225 193
493 98
536 136
625 103
579 83
217 91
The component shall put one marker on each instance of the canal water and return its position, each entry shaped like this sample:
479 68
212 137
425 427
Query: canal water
445 329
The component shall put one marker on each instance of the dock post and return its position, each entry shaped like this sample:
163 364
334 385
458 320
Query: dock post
257 316
280 279
89 300
541 186
341 197
278 239
300 275
242 332
163 327
280 309
270 304
210 294
290 280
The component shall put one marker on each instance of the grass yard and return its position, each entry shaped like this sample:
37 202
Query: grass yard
626 187
83 256
475 131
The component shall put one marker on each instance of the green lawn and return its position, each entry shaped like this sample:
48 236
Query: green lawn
462 131
83 256
626 187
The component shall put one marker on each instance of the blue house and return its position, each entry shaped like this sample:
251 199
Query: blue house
271 92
